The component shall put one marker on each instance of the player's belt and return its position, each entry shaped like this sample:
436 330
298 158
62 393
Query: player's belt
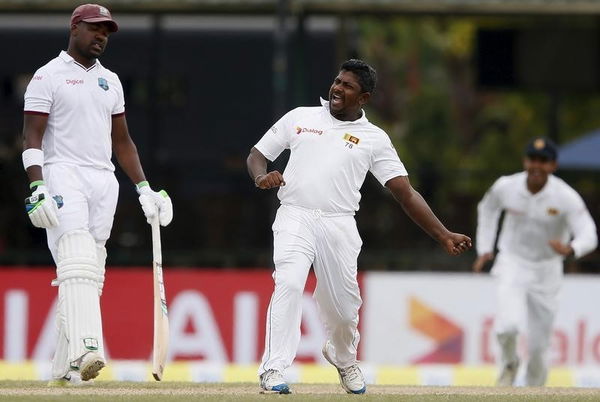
319 212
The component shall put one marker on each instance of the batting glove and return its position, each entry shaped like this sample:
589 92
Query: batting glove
155 203
41 208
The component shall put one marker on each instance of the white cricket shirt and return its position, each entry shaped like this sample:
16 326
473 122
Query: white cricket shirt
80 103
329 158
557 212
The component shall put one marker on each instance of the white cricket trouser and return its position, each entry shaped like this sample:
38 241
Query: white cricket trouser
90 199
527 303
331 244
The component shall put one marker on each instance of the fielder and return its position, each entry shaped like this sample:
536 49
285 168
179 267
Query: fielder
545 221
74 117
333 146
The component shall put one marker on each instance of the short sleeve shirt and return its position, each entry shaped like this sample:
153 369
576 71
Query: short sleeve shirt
329 158
80 103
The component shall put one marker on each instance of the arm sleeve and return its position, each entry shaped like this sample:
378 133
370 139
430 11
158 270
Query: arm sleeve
488 213
385 163
277 138
119 107
38 96
583 228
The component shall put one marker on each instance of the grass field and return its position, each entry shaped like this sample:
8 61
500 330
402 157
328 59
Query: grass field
116 391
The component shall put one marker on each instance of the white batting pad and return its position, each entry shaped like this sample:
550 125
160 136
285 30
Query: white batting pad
78 278
101 256
60 362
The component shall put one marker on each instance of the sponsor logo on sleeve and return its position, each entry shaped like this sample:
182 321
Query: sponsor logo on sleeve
37 77
274 130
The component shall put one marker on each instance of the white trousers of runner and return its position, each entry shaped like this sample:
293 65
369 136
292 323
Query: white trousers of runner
90 198
330 243
527 302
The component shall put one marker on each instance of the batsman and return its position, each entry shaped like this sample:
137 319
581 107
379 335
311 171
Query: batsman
74 118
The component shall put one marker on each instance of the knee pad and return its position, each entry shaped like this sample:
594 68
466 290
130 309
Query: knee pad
77 258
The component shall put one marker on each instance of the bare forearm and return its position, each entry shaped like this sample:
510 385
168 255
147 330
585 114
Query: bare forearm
419 211
256 164
34 127
129 160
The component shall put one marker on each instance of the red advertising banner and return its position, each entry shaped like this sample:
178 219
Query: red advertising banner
215 315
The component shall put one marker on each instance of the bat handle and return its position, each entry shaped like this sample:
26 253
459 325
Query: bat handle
156 247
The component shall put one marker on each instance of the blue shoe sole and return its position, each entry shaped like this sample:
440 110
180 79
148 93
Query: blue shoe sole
282 389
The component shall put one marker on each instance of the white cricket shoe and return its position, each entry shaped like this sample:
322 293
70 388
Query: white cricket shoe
72 379
90 366
272 381
508 375
351 378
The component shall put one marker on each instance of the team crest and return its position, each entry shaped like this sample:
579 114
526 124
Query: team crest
352 139
539 143
102 83
103 11
552 211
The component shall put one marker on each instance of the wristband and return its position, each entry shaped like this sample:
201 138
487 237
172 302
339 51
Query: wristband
256 178
142 184
33 157
34 184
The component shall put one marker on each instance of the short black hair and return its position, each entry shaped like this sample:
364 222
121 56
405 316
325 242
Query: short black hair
367 76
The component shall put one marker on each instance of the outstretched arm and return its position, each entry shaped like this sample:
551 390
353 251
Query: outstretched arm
257 168
417 209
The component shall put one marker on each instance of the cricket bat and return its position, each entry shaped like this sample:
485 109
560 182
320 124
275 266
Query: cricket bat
161 318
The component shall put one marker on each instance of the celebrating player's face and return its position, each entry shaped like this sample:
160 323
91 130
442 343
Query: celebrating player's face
346 97
91 39
538 168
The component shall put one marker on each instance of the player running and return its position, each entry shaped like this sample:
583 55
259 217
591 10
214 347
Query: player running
545 221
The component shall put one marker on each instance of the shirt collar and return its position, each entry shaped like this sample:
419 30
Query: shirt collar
65 56
362 119
68 59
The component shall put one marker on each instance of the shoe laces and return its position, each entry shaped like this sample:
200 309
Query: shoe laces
273 375
351 373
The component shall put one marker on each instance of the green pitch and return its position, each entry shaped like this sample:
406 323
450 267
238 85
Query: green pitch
114 391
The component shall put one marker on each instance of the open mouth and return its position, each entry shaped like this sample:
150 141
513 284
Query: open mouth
536 173
335 99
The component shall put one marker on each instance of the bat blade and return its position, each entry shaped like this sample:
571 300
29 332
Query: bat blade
161 318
